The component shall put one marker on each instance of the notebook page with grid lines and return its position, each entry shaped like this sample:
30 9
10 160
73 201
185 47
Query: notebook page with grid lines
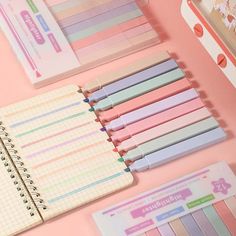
63 150
17 211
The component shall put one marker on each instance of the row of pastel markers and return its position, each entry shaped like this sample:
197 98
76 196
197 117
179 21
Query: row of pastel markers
151 112
218 219
99 30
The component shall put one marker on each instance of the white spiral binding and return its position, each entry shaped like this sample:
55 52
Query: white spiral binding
20 166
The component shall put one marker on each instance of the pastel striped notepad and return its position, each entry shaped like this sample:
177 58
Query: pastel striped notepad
55 39
201 203
53 157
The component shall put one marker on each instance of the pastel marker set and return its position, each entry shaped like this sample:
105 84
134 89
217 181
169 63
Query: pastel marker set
56 39
74 145
152 114
201 203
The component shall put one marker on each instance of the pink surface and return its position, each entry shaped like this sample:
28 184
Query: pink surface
179 40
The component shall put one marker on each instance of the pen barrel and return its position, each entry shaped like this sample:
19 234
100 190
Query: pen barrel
139 89
171 139
178 150
145 100
135 79
139 166
98 95
152 109
163 129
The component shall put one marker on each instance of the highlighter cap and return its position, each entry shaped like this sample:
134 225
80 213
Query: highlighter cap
140 165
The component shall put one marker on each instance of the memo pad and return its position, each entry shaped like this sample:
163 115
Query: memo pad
55 39
54 157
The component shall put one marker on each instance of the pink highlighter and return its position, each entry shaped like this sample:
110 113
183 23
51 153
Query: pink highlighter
168 127
156 120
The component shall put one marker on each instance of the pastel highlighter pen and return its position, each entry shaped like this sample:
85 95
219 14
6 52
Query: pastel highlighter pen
169 139
138 90
133 80
151 109
178 150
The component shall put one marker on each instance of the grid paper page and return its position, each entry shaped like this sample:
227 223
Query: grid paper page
14 215
68 156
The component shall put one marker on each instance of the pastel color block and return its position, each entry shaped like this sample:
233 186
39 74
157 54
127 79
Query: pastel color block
85 6
231 204
112 47
203 223
105 34
149 35
61 5
101 9
94 52
52 3
93 22
226 216
153 232
216 221
191 226
178 228
77 33
166 230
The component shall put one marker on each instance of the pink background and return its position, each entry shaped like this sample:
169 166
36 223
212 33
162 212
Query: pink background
218 93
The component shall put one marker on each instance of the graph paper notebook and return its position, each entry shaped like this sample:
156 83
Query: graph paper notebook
60 155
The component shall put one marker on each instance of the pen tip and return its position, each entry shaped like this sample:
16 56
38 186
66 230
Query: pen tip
86 100
121 159
103 129
115 150
91 109
127 169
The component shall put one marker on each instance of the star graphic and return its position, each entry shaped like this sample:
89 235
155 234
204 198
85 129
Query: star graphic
221 186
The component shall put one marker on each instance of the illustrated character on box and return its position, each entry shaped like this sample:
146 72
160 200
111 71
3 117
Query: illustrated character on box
222 6
227 9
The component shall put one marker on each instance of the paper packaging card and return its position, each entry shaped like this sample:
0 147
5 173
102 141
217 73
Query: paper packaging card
36 37
168 202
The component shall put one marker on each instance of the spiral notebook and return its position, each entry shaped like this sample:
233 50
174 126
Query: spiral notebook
54 157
